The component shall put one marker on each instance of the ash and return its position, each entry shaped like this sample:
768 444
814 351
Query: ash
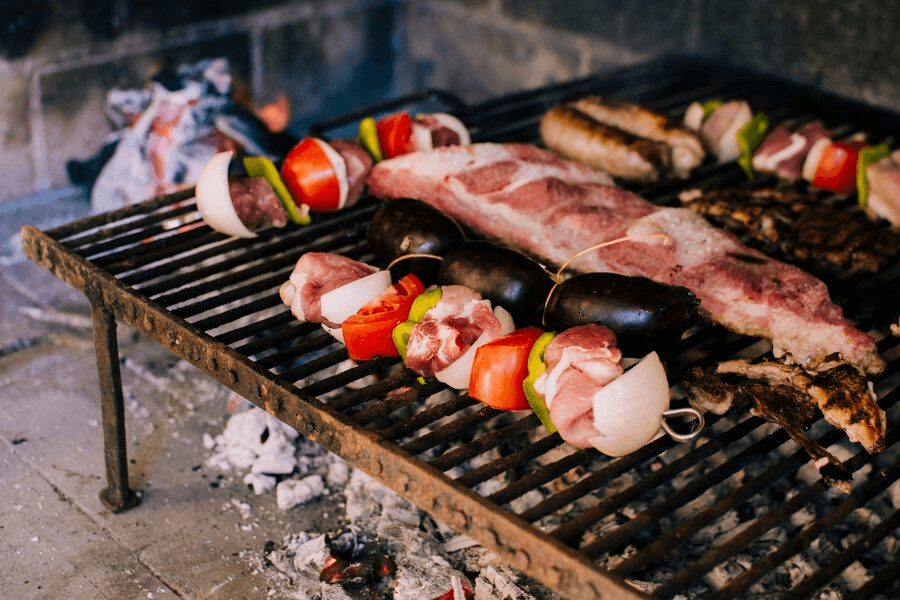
381 547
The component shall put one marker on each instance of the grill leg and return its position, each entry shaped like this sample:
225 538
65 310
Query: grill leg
117 496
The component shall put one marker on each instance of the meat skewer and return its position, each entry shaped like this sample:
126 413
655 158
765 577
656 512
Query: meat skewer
553 209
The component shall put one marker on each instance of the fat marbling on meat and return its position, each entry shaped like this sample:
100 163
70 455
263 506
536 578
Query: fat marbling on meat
553 209
315 274
580 361
448 329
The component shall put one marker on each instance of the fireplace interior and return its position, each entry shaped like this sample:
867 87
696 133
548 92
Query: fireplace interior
741 515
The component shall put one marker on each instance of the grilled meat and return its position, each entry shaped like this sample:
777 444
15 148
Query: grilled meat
719 130
708 393
783 401
799 225
578 136
686 147
884 192
841 392
783 151
549 208
790 409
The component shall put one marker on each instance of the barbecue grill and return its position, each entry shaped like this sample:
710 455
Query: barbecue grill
599 524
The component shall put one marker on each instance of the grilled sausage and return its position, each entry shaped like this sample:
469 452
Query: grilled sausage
686 146
576 135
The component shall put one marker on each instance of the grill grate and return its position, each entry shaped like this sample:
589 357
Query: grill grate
598 521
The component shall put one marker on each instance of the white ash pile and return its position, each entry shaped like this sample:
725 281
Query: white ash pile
381 547
273 456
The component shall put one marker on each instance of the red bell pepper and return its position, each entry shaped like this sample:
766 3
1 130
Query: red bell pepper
395 135
836 171
311 177
500 368
367 334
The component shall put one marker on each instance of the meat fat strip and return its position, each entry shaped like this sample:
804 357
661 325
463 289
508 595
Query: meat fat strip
549 208
578 136
686 146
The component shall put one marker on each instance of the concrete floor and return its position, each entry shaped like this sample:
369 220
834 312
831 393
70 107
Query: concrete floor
196 534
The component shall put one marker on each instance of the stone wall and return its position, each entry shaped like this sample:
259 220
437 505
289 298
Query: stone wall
481 48
57 62
331 55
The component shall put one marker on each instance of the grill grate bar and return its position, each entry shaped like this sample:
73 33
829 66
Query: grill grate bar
844 559
494 468
622 465
171 264
801 539
237 269
693 490
426 417
71 233
237 264
229 317
268 333
879 582
315 365
665 543
704 563
388 405
157 240
95 230
314 339
484 443
542 475
344 378
354 399
221 299
449 431
159 265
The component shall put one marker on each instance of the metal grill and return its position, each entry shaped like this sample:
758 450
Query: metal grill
581 523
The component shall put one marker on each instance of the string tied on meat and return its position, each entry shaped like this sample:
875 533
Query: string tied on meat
557 278
414 255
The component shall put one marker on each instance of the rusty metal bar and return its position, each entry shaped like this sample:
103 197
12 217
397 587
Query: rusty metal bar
764 566
117 496
514 431
448 431
542 475
265 334
559 567
407 433
394 402
827 572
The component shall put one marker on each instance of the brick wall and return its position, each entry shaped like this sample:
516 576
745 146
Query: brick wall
57 61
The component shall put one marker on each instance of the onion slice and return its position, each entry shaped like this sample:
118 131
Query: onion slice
336 332
454 124
214 198
628 411
727 145
340 171
344 301
813 157
422 137
693 116
459 372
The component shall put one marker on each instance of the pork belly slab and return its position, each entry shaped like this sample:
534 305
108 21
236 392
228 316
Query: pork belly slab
552 209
